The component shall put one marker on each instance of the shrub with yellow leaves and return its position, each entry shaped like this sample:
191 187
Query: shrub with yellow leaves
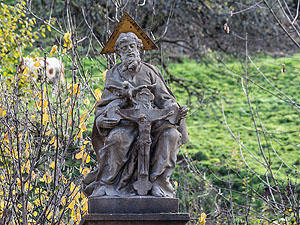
45 148
16 34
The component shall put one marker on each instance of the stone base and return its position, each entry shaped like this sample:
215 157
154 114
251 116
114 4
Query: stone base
136 219
135 210
136 204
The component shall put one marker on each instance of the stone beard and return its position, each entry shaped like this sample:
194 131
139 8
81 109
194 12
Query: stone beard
130 63
115 141
128 48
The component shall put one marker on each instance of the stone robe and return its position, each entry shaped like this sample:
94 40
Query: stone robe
116 148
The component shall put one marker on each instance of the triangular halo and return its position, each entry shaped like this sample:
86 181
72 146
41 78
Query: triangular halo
127 24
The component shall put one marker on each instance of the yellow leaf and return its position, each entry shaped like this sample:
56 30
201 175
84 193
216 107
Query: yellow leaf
47 178
64 179
63 201
82 126
27 152
28 186
49 216
25 70
98 94
73 186
52 140
64 51
79 155
49 28
85 208
75 90
30 206
35 213
18 182
45 118
86 157
33 175
55 143
70 121
85 171
2 112
37 191
79 134
201 220
27 166
33 117
52 165
104 75
176 183
68 100
43 34
48 132
37 63
77 196
70 110
53 50
45 104
83 116
67 37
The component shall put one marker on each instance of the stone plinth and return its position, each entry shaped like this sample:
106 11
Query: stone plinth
136 219
136 204
137 210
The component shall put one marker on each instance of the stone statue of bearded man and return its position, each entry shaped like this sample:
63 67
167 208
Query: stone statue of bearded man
115 140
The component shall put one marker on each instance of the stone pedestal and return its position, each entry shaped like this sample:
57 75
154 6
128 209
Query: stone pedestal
139 210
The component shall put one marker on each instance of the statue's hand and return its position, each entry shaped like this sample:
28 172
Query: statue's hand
170 113
183 110
118 110
105 122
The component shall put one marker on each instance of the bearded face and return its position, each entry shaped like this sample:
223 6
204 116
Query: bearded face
129 54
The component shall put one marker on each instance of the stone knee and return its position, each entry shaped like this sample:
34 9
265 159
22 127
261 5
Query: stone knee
119 137
172 135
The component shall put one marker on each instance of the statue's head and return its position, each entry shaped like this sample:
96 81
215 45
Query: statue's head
145 96
128 47
142 117
126 84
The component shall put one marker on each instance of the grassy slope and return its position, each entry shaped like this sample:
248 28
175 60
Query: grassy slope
211 142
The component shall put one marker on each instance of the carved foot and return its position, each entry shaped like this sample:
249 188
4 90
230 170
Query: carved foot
156 191
99 191
142 186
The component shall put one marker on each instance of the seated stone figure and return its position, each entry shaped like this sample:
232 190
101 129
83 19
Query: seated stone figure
115 140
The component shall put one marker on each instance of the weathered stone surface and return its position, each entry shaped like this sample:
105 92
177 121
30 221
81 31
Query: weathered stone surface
138 129
136 219
135 204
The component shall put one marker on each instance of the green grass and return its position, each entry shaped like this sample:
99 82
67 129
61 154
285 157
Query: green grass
211 142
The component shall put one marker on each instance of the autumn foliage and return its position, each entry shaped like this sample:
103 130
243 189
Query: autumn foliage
44 149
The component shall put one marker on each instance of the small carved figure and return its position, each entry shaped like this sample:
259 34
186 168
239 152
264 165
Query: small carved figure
128 92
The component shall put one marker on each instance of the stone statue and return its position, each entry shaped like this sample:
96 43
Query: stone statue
138 129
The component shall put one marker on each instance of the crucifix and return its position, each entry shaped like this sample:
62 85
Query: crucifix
144 115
